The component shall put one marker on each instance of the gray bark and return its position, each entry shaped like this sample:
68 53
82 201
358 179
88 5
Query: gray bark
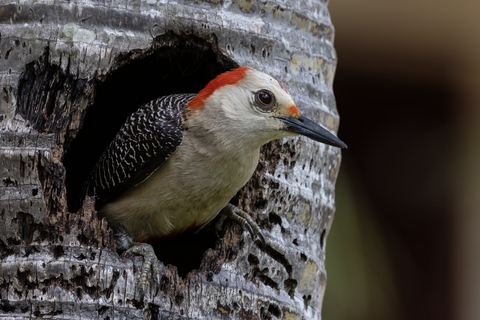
55 57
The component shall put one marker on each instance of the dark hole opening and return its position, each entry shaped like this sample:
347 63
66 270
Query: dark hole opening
322 238
172 64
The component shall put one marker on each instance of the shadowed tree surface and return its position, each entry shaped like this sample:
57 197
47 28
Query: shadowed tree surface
71 73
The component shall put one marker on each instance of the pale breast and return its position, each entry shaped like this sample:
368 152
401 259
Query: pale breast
187 191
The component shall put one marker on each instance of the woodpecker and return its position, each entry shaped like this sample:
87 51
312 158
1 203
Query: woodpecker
178 160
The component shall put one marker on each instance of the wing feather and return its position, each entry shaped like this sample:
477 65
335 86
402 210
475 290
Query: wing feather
146 140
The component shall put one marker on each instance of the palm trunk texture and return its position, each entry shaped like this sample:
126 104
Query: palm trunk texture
71 72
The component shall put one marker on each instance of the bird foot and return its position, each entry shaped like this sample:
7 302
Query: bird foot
244 219
150 262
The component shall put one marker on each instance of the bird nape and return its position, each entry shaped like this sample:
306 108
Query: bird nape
178 160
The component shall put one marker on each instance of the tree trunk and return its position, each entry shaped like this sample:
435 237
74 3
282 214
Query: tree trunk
71 72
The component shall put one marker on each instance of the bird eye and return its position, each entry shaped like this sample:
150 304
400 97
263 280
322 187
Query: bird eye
265 97
265 100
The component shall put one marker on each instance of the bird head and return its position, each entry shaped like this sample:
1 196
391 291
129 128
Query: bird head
246 103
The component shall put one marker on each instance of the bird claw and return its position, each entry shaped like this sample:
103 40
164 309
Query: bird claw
150 262
249 229
262 240
244 219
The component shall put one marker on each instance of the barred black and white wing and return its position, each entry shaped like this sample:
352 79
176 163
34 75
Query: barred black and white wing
148 138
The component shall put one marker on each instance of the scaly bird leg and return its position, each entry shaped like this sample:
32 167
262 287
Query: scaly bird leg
243 218
150 260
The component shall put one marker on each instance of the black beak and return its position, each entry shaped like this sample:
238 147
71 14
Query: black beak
312 130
